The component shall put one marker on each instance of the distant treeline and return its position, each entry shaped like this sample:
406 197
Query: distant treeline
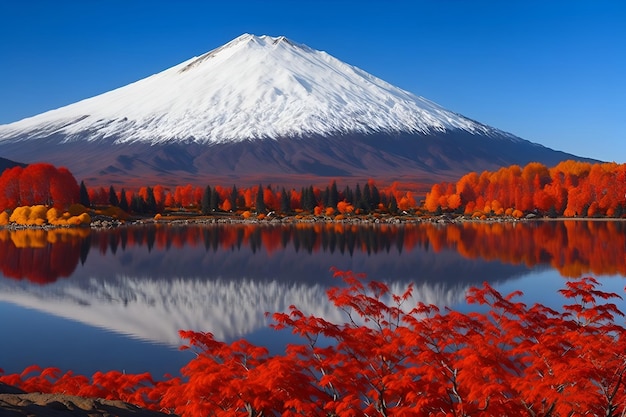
570 189
209 199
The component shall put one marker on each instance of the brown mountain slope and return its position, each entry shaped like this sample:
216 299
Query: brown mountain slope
421 159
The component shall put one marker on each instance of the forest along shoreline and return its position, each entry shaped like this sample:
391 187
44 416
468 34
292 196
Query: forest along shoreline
570 190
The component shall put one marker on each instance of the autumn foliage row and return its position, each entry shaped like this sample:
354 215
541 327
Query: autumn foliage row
570 189
260 199
395 358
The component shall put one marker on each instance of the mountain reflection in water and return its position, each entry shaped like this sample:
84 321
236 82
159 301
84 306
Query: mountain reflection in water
147 282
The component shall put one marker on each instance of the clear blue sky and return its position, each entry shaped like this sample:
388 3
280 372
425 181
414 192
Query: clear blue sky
553 72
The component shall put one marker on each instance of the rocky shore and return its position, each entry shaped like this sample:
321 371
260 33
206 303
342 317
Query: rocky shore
106 222
16 403
101 222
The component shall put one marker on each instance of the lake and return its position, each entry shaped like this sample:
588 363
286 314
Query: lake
98 299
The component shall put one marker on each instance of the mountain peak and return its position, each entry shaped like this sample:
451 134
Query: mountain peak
253 87
263 40
239 44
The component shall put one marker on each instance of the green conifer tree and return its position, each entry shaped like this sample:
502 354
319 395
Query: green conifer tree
260 202
366 197
151 205
113 200
84 195
215 200
375 199
348 195
393 205
357 196
138 205
123 201
233 198
285 201
206 200
333 197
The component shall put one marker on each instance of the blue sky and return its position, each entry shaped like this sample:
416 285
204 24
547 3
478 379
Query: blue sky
553 72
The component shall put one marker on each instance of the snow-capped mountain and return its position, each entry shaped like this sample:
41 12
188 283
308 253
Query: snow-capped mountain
266 104
251 88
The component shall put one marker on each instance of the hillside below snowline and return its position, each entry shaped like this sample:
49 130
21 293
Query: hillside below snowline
316 161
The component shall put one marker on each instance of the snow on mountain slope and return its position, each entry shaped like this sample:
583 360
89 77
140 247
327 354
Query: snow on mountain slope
252 87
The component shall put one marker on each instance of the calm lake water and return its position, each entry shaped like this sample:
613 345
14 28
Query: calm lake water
90 300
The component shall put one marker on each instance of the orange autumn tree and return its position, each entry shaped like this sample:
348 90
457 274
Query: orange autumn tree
569 189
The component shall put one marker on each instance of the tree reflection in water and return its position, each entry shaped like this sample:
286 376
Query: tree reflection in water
42 256
571 247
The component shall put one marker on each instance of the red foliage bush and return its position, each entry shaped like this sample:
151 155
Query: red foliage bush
395 358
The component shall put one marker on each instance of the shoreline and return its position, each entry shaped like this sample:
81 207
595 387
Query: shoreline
17 402
186 218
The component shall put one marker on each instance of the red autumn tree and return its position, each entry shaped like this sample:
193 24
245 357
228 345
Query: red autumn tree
38 184
270 199
10 188
159 196
35 184
98 196
64 190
